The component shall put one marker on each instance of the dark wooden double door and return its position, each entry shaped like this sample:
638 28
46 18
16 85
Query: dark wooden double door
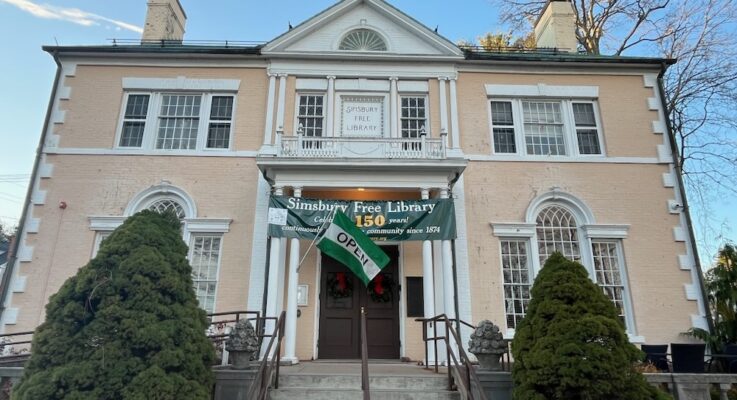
342 295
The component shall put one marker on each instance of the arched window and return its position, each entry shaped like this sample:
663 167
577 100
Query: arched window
203 235
557 230
167 204
557 221
362 40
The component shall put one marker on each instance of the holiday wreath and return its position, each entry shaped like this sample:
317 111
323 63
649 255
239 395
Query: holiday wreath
339 285
381 288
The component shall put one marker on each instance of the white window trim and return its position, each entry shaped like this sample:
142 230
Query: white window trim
402 95
324 109
588 230
181 83
570 133
587 233
150 130
99 236
629 315
190 243
509 332
542 90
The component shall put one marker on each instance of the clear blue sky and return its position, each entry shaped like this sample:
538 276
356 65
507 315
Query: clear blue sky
26 73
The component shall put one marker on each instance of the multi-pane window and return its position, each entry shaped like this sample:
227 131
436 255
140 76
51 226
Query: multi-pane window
134 120
221 116
516 273
205 261
557 231
413 117
101 235
502 120
179 120
176 121
164 205
608 272
311 114
587 134
543 128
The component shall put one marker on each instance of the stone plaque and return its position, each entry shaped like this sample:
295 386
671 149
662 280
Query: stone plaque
362 116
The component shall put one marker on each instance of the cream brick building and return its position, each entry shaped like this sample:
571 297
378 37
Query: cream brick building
539 150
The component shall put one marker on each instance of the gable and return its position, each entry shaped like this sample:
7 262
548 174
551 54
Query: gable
324 32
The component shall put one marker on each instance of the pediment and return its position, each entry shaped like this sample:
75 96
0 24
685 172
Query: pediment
369 20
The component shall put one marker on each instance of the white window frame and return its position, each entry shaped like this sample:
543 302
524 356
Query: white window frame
403 95
99 237
151 128
626 296
297 101
531 274
588 232
570 131
191 225
192 237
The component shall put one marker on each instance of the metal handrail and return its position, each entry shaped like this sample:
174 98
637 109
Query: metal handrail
364 359
466 378
268 370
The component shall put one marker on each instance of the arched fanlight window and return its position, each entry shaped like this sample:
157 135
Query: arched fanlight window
557 230
363 40
167 204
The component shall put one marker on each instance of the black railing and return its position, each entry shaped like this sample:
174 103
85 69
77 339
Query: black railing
461 372
17 346
364 359
172 43
268 370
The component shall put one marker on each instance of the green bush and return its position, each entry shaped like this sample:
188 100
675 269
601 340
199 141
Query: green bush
127 326
572 344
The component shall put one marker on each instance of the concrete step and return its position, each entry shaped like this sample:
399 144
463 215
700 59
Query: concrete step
408 382
357 394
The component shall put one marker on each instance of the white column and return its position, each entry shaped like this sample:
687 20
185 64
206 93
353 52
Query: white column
330 123
272 309
448 287
290 345
282 101
443 108
269 127
455 130
428 285
394 108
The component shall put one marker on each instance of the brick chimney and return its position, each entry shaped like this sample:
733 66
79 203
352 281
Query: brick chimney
165 20
556 26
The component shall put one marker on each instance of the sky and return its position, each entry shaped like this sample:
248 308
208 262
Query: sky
27 73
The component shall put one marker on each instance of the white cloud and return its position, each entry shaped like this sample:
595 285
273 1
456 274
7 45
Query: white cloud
73 15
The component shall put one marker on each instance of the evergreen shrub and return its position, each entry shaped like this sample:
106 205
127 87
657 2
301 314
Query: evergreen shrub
127 325
572 344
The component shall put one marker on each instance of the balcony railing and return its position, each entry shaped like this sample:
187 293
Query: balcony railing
300 146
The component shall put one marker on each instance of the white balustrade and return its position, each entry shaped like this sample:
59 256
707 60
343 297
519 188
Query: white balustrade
369 147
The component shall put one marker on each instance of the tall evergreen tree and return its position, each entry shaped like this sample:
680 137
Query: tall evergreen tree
572 344
127 325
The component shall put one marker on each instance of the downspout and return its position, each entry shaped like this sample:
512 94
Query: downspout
13 252
684 198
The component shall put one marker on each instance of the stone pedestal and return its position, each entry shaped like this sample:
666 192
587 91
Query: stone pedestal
497 385
233 384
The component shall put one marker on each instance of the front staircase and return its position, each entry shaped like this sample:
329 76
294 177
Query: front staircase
342 381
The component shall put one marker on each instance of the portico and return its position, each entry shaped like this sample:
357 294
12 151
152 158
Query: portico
357 180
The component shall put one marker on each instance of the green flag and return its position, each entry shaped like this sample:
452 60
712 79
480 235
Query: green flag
346 243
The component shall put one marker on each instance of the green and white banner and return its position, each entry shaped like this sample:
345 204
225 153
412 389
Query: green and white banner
296 217
346 243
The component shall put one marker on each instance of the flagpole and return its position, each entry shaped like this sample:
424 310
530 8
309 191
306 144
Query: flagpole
320 230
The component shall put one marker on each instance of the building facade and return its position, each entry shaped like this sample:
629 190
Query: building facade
541 151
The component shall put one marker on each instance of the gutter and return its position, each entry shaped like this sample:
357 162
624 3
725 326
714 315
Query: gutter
13 251
684 198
